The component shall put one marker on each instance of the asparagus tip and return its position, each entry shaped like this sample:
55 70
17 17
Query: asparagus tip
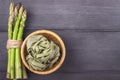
25 14
18 5
11 7
21 10
17 8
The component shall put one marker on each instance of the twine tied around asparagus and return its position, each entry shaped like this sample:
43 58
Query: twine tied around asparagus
13 43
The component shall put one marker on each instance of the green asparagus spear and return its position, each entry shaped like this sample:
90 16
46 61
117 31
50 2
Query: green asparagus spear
10 26
15 32
19 37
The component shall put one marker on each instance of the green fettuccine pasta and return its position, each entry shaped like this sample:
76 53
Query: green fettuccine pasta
42 53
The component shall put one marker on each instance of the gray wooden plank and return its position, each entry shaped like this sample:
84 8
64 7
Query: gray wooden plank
104 75
72 3
3 52
77 14
77 76
86 51
81 21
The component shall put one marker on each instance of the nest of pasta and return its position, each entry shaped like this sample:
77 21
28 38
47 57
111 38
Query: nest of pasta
42 53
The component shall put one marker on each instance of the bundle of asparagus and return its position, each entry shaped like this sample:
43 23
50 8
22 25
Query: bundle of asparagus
16 23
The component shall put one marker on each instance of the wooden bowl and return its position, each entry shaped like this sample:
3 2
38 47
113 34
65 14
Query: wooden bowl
50 36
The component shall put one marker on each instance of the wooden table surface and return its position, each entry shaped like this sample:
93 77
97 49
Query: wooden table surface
90 30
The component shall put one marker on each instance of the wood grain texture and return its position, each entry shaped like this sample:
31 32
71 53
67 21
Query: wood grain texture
74 76
89 28
67 14
78 76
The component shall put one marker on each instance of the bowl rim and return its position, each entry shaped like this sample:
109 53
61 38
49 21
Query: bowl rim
61 59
